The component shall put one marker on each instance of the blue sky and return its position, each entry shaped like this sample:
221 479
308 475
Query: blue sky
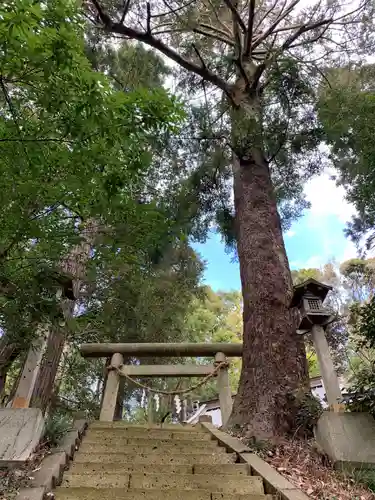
313 240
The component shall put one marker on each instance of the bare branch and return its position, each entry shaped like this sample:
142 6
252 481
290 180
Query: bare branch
214 10
215 30
173 11
199 56
148 20
303 29
125 11
150 40
213 35
274 25
250 26
236 14
269 11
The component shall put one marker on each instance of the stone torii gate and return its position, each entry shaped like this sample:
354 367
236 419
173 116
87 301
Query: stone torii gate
218 368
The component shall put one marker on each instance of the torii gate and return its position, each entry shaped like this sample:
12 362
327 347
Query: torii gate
219 368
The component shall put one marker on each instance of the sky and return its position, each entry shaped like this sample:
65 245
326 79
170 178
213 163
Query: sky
314 239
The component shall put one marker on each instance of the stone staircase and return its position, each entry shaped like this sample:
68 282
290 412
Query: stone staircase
118 461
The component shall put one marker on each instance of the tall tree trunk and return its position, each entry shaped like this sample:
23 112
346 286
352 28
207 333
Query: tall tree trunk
274 361
9 352
44 387
75 266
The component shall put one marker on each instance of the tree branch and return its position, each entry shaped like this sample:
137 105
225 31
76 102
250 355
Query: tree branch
250 26
199 56
304 29
148 22
150 40
236 14
125 11
271 29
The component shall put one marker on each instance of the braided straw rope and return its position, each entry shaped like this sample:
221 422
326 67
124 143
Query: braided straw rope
170 393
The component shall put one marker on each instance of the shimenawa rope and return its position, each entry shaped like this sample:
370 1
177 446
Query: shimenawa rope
169 393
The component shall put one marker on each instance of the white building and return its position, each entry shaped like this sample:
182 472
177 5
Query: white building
317 389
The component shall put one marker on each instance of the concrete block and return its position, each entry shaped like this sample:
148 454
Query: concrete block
229 442
273 481
80 425
205 418
21 430
50 473
347 438
241 485
152 459
295 494
31 494
224 469
124 494
69 442
225 496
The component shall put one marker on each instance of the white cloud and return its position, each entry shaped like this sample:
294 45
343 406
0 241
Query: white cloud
290 233
327 198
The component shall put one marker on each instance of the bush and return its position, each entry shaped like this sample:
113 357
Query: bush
366 477
57 425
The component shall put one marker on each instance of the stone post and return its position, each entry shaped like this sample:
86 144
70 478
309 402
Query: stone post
327 370
30 372
107 412
225 392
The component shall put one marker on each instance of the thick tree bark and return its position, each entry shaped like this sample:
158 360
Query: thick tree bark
75 266
44 387
9 352
274 361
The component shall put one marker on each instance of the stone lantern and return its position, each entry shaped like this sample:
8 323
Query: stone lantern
309 298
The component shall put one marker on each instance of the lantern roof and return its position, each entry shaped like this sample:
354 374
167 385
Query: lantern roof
315 288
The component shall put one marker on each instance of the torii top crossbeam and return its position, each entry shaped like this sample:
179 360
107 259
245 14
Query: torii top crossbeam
160 349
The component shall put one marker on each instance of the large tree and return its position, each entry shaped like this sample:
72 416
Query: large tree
255 63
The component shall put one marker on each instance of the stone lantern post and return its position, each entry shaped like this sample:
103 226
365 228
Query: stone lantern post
309 297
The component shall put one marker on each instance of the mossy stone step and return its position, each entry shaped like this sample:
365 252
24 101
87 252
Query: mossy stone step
151 448
214 483
224 469
121 494
169 427
155 458
114 442
116 432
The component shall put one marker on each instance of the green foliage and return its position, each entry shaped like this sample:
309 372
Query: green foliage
346 111
305 410
366 477
56 426
72 149
313 364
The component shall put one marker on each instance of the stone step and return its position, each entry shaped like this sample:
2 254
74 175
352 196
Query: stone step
154 458
224 469
123 494
214 483
148 434
107 440
168 427
148 448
